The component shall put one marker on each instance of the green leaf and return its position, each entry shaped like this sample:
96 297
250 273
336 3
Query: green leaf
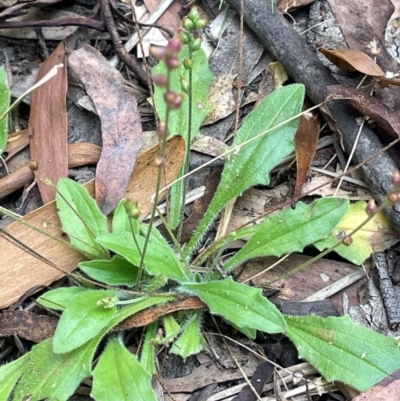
292 230
9 375
117 271
59 298
376 235
159 259
251 164
240 304
120 222
223 242
4 103
251 333
85 221
119 376
82 320
148 355
343 351
190 342
178 121
154 283
171 326
55 376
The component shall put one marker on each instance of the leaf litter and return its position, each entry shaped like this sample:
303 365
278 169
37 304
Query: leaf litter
49 215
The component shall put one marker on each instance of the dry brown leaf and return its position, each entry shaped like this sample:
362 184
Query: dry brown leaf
285 6
208 145
48 125
306 140
38 328
27 325
121 129
274 77
200 206
20 271
146 172
221 98
387 389
171 18
368 105
353 60
82 154
362 22
148 316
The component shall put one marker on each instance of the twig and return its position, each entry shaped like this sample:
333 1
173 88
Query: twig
127 58
389 296
89 22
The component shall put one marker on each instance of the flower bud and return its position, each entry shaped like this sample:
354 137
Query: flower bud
172 62
169 97
200 24
161 129
160 80
396 178
34 165
173 100
184 85
186 37
196 44
107 302
175 44
187 63
177 102
347 240
371 206
159 161
158 52
393 197
188 24
132 209
194 14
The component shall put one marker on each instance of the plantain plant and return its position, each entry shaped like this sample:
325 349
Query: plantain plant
141 269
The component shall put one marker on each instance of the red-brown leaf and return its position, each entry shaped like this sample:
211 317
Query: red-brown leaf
306 140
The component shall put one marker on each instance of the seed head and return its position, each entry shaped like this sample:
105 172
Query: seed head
371 206
159 161
160 80
158 52
347 240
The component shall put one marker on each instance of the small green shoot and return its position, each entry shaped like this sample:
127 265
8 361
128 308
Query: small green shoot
4 103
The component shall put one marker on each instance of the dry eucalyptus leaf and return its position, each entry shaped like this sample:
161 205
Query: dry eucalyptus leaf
221 98
285 6
353 60
368 105
48 125
145 173
305 140
120 123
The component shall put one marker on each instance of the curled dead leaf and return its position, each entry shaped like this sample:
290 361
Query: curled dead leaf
353 60
368 105
306 140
